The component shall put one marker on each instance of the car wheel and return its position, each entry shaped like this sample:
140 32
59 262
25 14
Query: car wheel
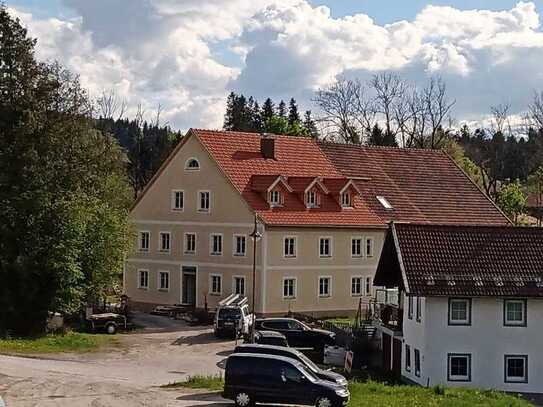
324 402
111 329
243 399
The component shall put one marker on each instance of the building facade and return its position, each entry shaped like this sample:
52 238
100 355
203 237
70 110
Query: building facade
471 306
322 223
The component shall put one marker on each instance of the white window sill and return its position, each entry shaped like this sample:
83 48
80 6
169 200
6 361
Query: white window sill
289 298
215 294
325 296
239 255
189 253
215 254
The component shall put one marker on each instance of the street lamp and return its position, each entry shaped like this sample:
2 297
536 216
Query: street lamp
256 236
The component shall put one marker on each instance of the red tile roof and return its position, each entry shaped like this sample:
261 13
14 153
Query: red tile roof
421 185
446 260
238 155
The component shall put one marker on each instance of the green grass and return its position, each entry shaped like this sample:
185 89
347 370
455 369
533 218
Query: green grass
376 394
214 382
55 343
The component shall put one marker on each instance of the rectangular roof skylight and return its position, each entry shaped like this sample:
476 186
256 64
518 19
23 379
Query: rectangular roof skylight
384 202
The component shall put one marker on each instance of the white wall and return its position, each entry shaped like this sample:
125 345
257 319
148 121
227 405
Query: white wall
487 340
415 336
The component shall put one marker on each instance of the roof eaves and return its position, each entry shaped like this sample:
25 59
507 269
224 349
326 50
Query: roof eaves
400 259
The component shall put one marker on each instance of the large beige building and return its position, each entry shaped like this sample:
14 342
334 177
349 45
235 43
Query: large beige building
322 213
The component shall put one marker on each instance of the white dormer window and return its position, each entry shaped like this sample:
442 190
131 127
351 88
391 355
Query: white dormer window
346 200
192 164
311 199
275 198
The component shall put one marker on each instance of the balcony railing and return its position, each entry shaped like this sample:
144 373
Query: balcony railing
387 310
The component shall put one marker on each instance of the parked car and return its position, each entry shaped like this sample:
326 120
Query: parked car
233 317
270 338
293 354
251 378
108 322
298 334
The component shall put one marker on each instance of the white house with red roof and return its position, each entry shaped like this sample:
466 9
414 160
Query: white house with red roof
322 210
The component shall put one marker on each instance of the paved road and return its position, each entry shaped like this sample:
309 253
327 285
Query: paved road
129 377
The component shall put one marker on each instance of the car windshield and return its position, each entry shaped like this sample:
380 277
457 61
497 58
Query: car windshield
312 366
229 313
310 375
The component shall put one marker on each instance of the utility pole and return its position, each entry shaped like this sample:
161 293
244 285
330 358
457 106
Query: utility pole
255 235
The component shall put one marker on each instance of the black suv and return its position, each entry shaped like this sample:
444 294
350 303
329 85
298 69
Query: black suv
298 334
270 338
251 378
293 354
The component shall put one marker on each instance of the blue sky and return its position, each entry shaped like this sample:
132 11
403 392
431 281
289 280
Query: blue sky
388 11
187 55
382 11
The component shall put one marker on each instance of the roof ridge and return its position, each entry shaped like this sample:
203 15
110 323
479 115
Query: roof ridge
374 147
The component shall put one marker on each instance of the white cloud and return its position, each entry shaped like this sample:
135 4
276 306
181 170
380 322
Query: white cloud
165 51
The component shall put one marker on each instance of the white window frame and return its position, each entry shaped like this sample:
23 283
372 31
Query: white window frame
330 247
371 241
211 277
295 247
294 288
362 248
458 378
407 358
418 361
211 252
459 322
234 278
186 240
235 237
199 201
189 160
515 379
159 280
367 286
523 322
279 201
329 294
314 202
138 275
160 250
140 246
174 200
361 284
349 204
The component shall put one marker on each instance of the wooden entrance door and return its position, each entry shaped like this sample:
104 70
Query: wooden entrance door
397 357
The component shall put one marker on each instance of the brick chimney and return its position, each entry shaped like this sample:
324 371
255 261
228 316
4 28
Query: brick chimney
267 146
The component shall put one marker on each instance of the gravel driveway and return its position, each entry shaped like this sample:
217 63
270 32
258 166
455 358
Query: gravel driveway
166 351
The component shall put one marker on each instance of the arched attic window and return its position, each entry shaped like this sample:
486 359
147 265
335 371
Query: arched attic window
192 164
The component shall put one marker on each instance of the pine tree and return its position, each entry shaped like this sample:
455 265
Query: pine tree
293 115
268 110
229 115
309 124
282 110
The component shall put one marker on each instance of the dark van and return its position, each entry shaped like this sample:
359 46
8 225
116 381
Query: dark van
293 354
251 378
